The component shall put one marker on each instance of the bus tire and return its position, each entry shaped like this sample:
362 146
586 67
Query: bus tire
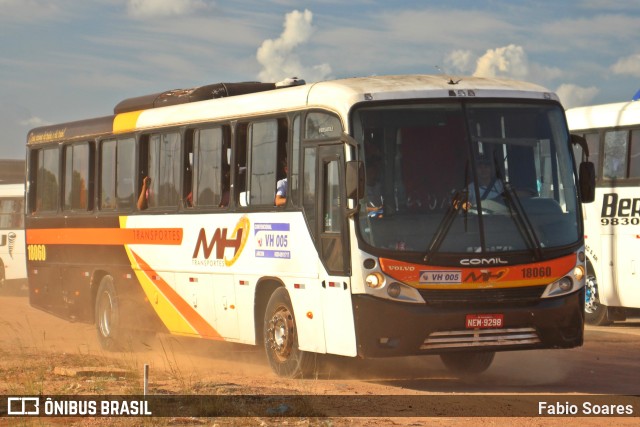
108 315
594 312
281 339
467 363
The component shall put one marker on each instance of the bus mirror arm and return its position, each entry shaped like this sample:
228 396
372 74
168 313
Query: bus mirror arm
354 184
587 171
354 180
582 142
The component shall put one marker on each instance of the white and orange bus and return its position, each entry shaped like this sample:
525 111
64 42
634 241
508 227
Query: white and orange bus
612 223
400 260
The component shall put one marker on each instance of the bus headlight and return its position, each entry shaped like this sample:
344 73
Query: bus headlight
374 280
561 286
565 284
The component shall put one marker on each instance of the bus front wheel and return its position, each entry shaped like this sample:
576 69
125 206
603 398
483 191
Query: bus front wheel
281 339
108 315
594 312
467 363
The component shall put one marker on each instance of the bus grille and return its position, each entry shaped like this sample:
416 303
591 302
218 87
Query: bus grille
528 294
480 338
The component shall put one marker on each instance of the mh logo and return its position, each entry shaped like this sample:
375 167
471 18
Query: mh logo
221 242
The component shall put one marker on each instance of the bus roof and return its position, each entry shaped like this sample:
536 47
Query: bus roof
604 115
335 95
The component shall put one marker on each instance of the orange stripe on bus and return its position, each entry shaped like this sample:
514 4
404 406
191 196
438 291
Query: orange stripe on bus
192 316
105 236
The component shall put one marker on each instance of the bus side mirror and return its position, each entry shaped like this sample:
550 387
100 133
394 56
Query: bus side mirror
587 180
355 180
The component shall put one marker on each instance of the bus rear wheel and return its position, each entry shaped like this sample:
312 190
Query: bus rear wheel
467 363
594 312
281 339
108 315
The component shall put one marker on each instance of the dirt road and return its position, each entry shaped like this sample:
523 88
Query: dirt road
38 351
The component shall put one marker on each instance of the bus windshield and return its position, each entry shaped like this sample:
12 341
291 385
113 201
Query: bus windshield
461 177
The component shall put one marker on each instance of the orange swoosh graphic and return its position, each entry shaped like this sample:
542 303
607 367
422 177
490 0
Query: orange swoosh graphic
105 236
192 316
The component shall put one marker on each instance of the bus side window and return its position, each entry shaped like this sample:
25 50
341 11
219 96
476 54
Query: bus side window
615 154
266 146
210 168
11 217
263 143
125 170
164 170
187 170
294 171
107 189
240 172
634 154
77 172
46 180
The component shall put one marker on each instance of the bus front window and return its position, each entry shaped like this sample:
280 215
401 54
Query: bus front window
466 177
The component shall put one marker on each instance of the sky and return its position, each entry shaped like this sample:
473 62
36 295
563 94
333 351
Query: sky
68 60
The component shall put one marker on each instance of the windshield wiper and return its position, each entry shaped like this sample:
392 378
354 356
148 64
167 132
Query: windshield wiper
522 221
457 203
521 218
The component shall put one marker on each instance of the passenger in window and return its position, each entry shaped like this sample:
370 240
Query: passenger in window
281 186
143 199
226 184
188 201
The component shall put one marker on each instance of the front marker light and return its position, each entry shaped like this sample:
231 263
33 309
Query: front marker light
394 290
374 280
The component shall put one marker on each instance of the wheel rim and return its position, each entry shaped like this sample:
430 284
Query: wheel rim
281 333
104 318
591 302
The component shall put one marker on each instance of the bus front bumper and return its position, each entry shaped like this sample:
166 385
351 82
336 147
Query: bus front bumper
386 328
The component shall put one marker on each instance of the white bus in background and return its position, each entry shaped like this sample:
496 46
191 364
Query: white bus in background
612 223
12 247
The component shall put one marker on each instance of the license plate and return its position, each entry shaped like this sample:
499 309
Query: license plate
484 321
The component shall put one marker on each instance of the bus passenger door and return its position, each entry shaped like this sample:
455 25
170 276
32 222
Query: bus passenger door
333 247
626 261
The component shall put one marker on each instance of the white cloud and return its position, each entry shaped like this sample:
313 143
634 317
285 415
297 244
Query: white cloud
278 58
572 95
459 61
508 61
628 66
163 8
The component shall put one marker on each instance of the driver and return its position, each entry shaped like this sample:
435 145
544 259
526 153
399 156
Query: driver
488 183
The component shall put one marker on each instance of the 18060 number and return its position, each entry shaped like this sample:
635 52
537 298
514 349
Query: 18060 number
535 272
